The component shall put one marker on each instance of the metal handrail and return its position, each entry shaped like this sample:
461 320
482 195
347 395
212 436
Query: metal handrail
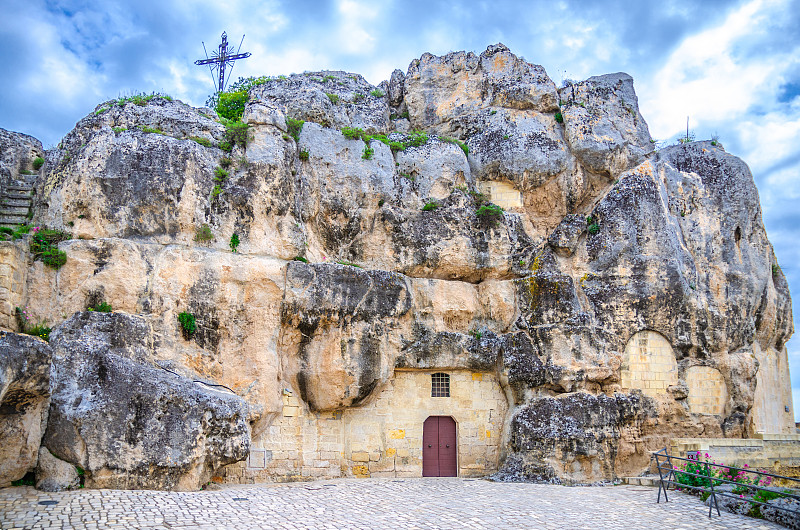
667 465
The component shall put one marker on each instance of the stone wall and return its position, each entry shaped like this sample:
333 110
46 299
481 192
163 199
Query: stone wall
775 453
502 194
772 404
707 391
382 438
649 364
13 273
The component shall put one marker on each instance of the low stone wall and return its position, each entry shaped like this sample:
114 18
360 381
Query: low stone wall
775 453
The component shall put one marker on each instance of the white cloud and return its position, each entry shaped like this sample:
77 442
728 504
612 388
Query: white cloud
709 78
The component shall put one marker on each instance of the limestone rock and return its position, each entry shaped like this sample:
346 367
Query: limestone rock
24 398
564 239
131 424
17 153
441 92
572 435
338 322
53 474
603 126
330 98
623 297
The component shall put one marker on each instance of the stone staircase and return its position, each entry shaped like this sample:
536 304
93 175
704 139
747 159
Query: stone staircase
15 203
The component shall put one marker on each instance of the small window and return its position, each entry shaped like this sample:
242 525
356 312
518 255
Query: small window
440 385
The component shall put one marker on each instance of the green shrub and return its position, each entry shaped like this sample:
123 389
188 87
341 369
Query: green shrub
54 258
347 263
378 93
476 333
216 191
203 234
453 141
151 130
38 162
118 130
368 152
354 133
20 231
102 307
417 139
775 270
205 142
592 225
234 242
294 126
230 105
226 146
225 162
139 98
236 132
220 174
44 245
40 330
188 323
304 154
489 210
358 96
333 97
431 205
559 117
300 258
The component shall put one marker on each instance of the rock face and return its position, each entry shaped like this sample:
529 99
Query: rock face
131 424
17 153
24 398
619 298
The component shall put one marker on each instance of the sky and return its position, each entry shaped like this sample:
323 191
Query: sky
732 68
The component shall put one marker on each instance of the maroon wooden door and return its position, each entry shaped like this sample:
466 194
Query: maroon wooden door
439 449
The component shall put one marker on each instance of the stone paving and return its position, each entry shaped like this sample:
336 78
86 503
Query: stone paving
367 504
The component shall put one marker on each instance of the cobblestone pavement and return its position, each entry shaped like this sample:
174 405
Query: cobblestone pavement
367 503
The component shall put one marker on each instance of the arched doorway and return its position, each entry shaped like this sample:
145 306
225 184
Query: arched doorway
439 447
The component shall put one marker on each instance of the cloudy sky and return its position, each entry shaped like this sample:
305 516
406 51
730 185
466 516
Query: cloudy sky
732 67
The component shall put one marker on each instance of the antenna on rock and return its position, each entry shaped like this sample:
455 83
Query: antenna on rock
221 59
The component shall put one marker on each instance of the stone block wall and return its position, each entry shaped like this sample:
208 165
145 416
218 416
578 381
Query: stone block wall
13 274
382 438
649 364
708 393
502 194
773 410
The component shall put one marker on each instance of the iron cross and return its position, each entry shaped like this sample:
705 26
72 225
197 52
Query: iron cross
221 59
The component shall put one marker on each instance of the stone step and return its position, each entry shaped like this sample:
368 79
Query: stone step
641 481
5 202
13 210
19 187
12 220
16 195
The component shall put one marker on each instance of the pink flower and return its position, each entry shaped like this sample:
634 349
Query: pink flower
706 455
746 465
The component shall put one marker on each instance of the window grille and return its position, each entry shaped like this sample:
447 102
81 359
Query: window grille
440 385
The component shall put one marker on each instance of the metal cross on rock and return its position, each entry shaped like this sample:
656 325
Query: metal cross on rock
221 59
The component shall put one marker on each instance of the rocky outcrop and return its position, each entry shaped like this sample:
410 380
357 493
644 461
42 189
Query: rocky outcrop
132 424
17 155
53 474
359 256
24 398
